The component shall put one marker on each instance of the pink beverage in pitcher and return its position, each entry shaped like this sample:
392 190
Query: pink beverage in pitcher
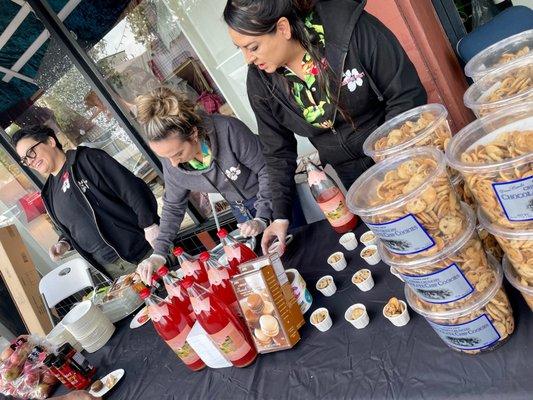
177 294
330 199
219 282
224 329
173 326
236 252
191 266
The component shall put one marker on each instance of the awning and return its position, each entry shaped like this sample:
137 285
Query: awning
29 58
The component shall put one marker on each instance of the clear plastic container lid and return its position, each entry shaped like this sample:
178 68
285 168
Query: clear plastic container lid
484 131
502 231
437 110
363 190
512 277
459 242
477 300
490 58
477 94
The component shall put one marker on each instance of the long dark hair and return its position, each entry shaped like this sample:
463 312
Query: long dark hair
260 17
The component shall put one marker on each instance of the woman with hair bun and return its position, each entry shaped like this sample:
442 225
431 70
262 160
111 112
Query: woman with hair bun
204 153
325 70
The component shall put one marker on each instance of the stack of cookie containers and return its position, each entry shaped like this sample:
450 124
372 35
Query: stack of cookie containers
494 155
426 125
430 238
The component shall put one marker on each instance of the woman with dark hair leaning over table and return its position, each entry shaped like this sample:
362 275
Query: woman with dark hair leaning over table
203 153
326 70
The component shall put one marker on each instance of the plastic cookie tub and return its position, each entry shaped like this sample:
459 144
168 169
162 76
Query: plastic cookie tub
504 87
422 126
517 245
481 323
409 203
505 51
522 285
451 275
495 156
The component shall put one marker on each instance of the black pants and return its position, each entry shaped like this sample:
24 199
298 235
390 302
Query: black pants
351 170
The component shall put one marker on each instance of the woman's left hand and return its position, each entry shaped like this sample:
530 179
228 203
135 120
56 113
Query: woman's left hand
252 228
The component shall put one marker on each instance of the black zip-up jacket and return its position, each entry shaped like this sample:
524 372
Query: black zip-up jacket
121 204
354 40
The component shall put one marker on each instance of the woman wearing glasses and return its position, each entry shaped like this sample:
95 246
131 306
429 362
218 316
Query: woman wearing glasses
103 211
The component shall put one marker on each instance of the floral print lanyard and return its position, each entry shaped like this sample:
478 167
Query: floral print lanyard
316 106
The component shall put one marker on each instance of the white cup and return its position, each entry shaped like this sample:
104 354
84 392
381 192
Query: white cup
330 289
396 273
367 284
369 238
399 320
348 241
337 265
361 321
374 258
324 325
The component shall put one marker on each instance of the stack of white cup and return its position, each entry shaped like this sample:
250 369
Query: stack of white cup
89 326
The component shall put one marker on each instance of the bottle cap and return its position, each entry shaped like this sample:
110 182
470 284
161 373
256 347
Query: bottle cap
145 293
204 256
162 271
178 251
222 233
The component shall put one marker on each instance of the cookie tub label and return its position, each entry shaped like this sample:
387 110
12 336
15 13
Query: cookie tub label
473 335
444 286
403 236
516 198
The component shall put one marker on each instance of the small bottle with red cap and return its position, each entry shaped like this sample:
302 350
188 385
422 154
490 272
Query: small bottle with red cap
172 325
222 326
236 252
219 282
191 266
177 294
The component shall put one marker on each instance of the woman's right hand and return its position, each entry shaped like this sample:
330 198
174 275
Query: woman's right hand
58 250
277 229
147 267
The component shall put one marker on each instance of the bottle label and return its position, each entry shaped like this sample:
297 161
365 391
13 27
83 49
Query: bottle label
218 277
516 198
182 349
314 177
444 286
174 290
231 342
191 268
336 211
233 252
403 236
158 311
199 305
473 335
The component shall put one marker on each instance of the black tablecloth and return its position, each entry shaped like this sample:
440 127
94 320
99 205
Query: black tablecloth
379 362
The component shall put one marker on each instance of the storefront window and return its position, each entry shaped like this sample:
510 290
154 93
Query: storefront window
146 49
21 205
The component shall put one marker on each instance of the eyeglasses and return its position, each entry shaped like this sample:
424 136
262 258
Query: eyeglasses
30 154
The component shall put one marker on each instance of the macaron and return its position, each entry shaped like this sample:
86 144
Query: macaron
251 317
261 338
255 303
269 325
